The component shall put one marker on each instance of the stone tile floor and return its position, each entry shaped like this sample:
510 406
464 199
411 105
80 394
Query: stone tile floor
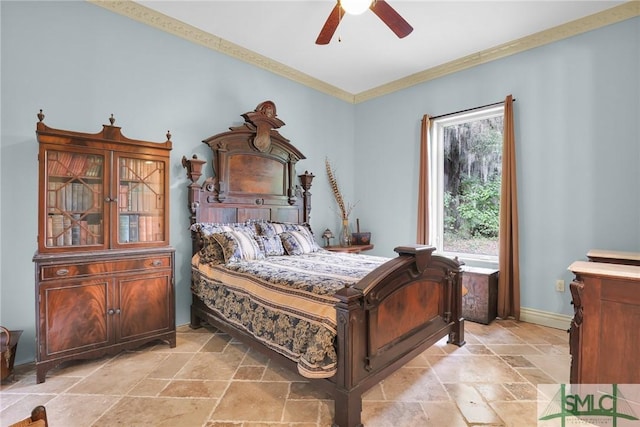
212 381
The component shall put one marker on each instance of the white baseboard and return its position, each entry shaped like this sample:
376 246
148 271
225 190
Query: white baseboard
545 318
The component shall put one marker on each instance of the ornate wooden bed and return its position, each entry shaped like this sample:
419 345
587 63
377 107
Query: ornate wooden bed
387 318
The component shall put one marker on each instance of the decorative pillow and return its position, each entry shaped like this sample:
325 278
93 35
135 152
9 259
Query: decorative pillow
298 242
207 228
271 246
306 230
271 229
238 245
211 252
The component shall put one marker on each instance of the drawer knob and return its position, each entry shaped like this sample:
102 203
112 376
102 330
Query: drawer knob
62 272
156 262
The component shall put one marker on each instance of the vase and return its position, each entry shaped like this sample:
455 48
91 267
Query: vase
345 234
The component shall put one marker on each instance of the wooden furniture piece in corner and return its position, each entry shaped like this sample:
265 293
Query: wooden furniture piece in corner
8 346
480 302
104 270
614 257
605 330
353 249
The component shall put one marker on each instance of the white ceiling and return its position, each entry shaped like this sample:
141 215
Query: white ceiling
368 54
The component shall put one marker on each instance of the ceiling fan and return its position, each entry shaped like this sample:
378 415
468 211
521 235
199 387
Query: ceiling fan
380 7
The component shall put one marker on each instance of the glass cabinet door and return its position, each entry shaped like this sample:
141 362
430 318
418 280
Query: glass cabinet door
74 204
141 204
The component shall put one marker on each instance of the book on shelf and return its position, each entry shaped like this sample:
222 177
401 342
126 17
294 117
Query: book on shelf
86 198
149 220
61 196
57 230
94 167
94 235
49 231
124 228
83 232
134 189
126 173
67 233
76 195
52 196
123 198
142 228
75 229
158 228
133 228
96 194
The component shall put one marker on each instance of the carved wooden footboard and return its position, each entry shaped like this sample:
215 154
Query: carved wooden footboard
391 316
383 321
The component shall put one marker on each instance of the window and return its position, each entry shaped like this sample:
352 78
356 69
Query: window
466 168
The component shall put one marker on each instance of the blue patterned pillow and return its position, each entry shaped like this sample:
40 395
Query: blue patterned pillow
298 242
208 228
271 228
271 246
238 245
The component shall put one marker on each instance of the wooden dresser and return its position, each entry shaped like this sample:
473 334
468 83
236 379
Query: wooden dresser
614 257
605 330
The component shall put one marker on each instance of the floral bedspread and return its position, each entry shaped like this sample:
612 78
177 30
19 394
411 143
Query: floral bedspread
286 302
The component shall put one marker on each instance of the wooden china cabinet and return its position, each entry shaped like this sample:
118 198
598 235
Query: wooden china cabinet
104 270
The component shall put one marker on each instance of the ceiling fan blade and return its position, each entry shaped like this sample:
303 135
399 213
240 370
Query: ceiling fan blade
330 25
392 18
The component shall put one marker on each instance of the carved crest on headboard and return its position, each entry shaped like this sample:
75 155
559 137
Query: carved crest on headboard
254 172
264 119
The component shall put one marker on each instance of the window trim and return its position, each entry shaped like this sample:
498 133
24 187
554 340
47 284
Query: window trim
436 178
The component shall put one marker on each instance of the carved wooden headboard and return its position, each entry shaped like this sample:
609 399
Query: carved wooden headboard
254 174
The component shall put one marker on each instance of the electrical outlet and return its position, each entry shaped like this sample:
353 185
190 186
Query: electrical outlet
560 285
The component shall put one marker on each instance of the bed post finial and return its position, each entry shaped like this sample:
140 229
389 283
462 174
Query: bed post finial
422 254
193 167
305 181
194 172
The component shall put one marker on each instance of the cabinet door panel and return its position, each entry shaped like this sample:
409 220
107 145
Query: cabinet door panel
141 186
145 305
73 201
619 343
74 316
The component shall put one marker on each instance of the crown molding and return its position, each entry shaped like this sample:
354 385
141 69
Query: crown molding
170 25
178 28
610 16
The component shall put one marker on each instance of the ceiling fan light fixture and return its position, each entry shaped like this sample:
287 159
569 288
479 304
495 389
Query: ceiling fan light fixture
355 7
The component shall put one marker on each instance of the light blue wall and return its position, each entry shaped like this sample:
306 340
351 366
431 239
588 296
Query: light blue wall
80 63
576 128
577 148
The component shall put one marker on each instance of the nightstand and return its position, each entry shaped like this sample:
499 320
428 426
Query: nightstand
353 249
